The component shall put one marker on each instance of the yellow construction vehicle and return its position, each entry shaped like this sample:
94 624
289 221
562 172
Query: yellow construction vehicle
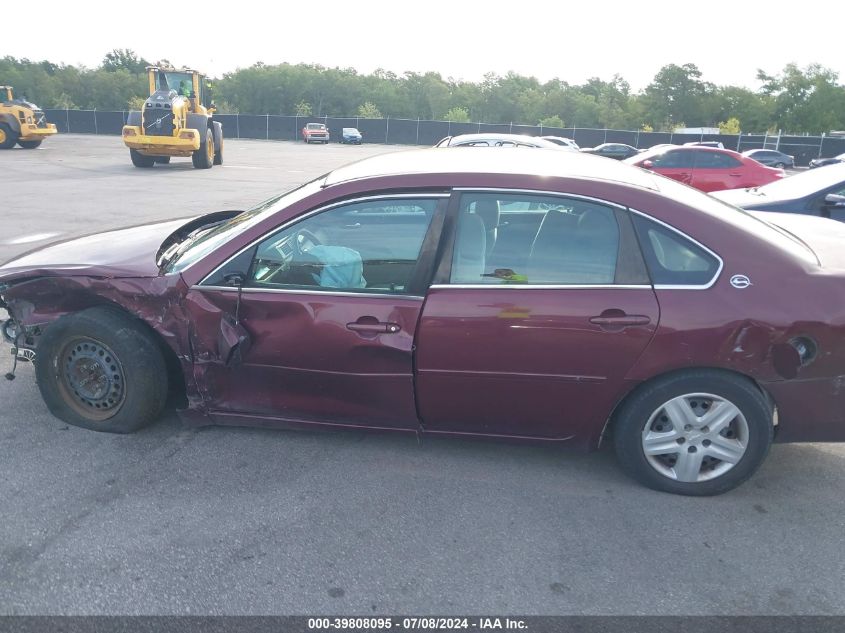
21 122
177 120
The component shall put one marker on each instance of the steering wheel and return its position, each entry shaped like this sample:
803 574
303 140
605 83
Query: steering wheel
305 240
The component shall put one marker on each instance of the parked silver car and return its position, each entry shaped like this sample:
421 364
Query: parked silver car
771 157
562 141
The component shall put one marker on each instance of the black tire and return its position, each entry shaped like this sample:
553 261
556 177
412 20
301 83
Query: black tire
140 160
780 165
218 151
203 158
128 350
8 135
30 144
644 405
162 160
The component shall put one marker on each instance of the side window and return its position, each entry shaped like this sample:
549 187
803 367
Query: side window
370 246
674 159
716 160
524 239
671 258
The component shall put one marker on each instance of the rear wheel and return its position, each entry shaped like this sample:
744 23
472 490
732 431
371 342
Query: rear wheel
162 160
780 165
8 137
203 158
218 153
30 144
698 433
100 369
140 160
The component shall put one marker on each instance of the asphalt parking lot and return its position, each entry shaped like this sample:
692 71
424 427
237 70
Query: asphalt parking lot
174 520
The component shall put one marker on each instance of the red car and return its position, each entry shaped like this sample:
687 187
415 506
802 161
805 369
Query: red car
706 168
315 133
560 298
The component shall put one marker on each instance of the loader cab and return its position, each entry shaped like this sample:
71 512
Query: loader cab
6 94
186 83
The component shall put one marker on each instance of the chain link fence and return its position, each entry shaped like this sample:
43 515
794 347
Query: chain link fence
421 132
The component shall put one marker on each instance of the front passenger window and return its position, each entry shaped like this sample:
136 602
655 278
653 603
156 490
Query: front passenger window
370 246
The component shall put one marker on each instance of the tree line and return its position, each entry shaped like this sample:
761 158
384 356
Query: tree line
795 100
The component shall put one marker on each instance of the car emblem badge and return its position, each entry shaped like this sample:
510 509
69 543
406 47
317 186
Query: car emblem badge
740 281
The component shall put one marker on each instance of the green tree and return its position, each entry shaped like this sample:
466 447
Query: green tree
731 126
303 108
551 121
369 111
124 59
457 115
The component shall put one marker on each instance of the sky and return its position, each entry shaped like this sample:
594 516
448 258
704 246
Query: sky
572 41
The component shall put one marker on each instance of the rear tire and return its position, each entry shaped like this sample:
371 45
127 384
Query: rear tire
101 369
30 144
8 137
162 160
203 158
218 152
706 431
780 165
140 160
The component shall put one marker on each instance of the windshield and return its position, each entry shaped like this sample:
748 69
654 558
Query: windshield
182 83
804 184
204 242
315 126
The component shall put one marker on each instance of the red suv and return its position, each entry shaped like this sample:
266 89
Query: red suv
706 168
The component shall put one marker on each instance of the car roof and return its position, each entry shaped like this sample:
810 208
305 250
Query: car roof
542 162
516 138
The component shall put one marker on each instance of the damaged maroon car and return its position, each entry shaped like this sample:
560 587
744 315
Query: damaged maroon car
556 298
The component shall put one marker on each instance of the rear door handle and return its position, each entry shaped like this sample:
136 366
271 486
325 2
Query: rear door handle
735 175
618 320
370 327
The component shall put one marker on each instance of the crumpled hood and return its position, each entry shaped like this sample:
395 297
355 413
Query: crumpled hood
127 252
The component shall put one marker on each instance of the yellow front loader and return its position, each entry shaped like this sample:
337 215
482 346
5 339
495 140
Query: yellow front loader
177 120
21 122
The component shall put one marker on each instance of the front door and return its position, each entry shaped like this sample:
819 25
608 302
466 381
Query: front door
331 305
533 336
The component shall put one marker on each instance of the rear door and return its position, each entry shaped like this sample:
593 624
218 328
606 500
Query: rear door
532 341
716 171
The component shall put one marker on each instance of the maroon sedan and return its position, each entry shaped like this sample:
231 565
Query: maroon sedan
707 168
559 298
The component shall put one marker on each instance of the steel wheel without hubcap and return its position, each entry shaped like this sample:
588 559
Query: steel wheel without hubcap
91 378
695 437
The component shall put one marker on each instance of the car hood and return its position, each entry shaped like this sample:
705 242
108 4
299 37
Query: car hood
129 252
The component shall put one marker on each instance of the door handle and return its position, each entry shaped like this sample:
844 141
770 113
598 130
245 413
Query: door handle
371 327
735 175
618 320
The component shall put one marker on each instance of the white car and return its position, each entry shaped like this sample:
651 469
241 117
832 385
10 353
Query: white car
496 140
563 142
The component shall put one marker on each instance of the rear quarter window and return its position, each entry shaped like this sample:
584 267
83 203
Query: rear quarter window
673 259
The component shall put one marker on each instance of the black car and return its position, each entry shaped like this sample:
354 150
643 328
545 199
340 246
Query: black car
821 162
820 192
771 157
619 151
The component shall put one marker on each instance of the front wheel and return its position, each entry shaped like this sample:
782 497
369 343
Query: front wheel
203 158
780 165
30 144
101 369
8 137
700 432
141 160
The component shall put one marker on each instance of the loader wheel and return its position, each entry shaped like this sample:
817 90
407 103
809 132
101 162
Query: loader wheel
139 160
8 137
218 154
30 144
162 160
203 158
